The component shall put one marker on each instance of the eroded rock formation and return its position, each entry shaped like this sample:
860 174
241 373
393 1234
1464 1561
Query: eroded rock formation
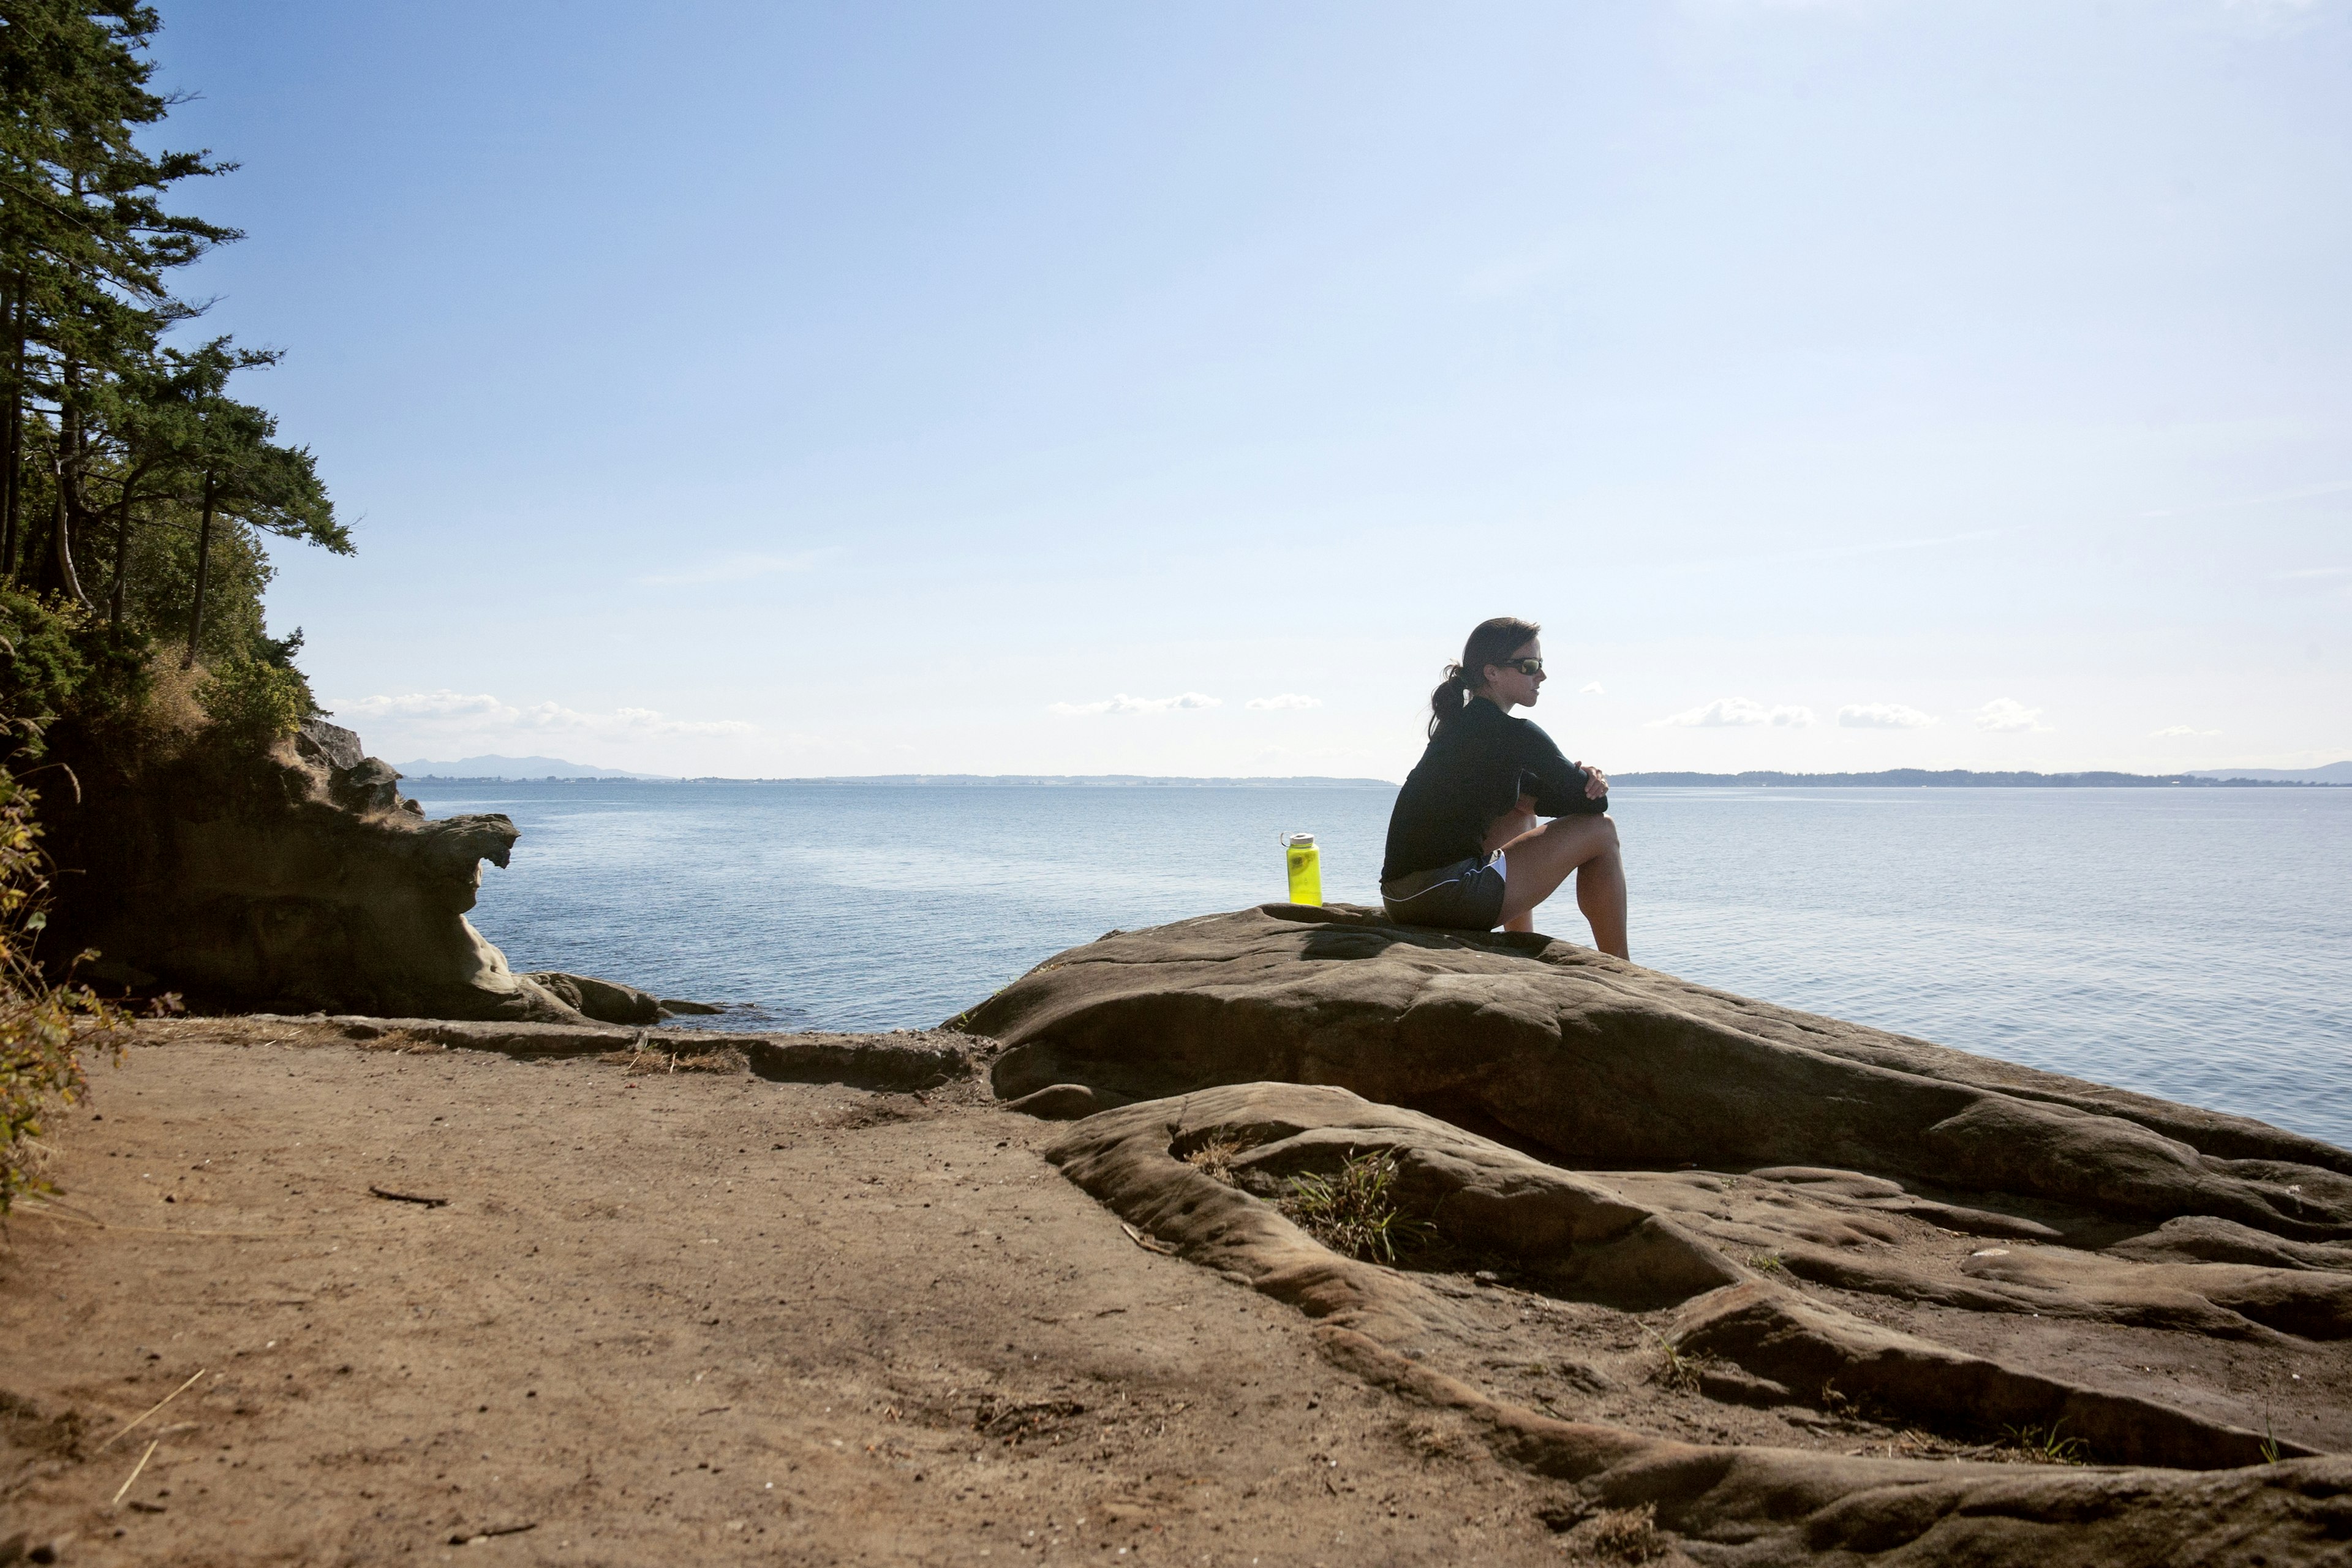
605 1001
1654 1235
297 882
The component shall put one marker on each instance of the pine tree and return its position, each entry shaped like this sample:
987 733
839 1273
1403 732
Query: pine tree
86 246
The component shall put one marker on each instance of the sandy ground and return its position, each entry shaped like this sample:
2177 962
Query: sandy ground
664 1314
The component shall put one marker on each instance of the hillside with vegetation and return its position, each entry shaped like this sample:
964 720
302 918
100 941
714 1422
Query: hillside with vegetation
140 494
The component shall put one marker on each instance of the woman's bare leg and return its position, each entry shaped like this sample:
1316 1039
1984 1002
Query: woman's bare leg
1581 846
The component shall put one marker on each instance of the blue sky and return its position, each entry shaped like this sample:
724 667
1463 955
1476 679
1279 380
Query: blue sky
771 389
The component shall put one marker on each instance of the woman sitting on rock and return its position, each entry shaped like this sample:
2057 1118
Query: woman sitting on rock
1464 848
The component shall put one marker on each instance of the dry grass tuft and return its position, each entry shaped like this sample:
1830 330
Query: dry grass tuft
2042 1445
1215 1158
172 715
1674 1369
639 1062
403 1042
1623 1534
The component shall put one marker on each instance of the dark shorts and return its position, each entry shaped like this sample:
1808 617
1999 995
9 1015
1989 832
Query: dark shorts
1464 896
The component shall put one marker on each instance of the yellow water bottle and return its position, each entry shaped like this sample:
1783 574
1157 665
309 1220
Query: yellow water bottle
1306 863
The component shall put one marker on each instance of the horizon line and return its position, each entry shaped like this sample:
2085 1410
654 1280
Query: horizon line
1662 778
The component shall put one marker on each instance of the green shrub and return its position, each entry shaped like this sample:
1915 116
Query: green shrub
43 1025
251 703
44 662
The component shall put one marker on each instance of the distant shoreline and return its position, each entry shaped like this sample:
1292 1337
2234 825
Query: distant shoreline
1892 778
950 781
1956 778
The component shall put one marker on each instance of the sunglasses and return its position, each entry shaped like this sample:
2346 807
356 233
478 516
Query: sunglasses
1523 666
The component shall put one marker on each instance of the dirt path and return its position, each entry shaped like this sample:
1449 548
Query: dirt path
665 1317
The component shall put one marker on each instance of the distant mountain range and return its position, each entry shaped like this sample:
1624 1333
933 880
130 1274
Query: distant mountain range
2334 773
513 768
1963 778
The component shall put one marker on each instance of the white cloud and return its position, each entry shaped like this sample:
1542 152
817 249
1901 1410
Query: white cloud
1728 712
1287 700
1883 716
461 712
1591 689
2172 732
1123 703
2007 716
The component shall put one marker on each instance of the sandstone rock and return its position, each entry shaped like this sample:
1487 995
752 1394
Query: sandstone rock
329 745
370 784
1747 1336
606 1001
295 882
905 1061
1904 1238
1064 1102
1603 1063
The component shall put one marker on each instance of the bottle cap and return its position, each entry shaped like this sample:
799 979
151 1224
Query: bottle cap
1298 838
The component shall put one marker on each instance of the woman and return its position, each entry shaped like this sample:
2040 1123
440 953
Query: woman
1464 848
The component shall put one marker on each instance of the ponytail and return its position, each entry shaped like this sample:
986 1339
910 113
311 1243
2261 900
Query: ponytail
1452 694
1491 642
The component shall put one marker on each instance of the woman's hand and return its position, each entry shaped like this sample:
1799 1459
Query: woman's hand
1596 783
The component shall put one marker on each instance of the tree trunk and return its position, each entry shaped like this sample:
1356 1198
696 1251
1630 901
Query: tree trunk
67 581
57 575
203 571
121 560
12 439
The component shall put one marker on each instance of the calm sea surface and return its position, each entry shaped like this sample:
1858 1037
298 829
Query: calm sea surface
2191 943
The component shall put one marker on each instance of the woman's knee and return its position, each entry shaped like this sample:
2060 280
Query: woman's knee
1593 836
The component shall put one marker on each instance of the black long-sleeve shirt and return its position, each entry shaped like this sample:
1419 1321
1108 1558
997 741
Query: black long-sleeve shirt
1476 767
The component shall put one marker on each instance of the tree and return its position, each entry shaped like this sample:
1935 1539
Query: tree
236 468
85 245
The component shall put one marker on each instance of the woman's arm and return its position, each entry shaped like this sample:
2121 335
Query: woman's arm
1561 788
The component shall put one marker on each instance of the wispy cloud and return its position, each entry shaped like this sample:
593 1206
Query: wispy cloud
1737 712
2174 732
1883 716
1287 700
1591 689
2310 572
741 568
1123 703
2007 716
2271 498
481 713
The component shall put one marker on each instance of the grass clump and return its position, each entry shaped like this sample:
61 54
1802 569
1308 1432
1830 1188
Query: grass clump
1620 1535
1354 1209
1674 1369
1215 1158
2044 1446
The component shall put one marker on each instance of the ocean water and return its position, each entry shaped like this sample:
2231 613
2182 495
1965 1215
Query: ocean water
2195 944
